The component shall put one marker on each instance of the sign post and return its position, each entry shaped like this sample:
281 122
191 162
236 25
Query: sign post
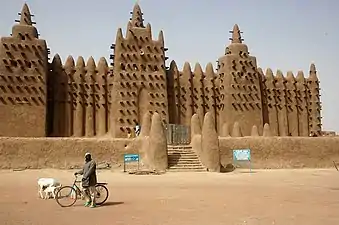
131 158
242 155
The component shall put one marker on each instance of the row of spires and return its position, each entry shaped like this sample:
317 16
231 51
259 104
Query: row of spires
103 65
137 21
236 131
80 63
289 76
26 16
268 75
148 28
197 68
226 132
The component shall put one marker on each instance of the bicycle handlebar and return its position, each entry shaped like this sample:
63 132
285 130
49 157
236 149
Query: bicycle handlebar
76 178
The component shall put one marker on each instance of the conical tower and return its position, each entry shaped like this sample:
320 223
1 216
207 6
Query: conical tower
137 19
314 103
25 29
139 76
236 35
24 66
240 88
25 16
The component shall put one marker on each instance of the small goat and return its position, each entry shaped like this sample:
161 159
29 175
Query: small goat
51 191
44 183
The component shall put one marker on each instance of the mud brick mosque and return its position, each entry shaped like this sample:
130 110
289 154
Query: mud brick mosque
39 98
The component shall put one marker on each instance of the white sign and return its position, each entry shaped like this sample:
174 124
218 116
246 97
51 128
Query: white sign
242 155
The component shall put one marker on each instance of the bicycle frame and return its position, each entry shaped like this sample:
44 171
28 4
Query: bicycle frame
77 188
80 190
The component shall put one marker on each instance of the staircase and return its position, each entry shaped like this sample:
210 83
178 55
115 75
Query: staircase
182 158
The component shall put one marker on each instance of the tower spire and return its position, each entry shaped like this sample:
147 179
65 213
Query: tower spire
236 34
25 16
137 16
313 72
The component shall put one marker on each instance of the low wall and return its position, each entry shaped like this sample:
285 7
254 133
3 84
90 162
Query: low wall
267 152
283 152
60 153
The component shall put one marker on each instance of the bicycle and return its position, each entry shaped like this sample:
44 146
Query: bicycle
74 193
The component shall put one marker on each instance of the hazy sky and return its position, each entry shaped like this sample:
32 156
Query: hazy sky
282 34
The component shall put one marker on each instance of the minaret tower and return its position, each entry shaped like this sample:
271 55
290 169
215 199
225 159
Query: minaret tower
23 71
240 90
314 103
139 76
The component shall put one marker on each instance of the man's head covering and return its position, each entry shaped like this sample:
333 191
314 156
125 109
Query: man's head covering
88 154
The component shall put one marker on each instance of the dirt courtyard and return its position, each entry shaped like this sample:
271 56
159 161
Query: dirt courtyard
283 197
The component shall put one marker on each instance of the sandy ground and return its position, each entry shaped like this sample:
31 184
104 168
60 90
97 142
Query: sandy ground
283 197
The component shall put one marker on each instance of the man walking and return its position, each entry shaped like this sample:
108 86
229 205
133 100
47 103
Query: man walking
89 180
137 130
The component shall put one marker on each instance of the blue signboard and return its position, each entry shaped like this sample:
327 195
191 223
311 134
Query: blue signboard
131 157
242 155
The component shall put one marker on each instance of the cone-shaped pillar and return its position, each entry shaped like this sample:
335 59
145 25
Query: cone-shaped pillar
313 73
267 130
236 132
210 155
158 145
195 125
225 130
101 119
90 103
254 132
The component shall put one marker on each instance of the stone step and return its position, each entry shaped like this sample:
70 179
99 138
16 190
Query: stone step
183 156
196 162
182 159
187 154
180 152
179 146
185 162
187 168
180 149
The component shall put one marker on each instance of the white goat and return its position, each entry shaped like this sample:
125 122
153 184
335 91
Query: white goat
44 183
51 191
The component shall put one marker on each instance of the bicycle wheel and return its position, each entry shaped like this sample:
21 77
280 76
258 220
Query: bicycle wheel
101 194
66 196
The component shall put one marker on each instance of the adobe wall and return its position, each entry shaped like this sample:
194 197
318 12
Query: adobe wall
283 152
267 152
59 153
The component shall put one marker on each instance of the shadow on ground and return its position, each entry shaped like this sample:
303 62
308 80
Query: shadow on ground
231 168
112 203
